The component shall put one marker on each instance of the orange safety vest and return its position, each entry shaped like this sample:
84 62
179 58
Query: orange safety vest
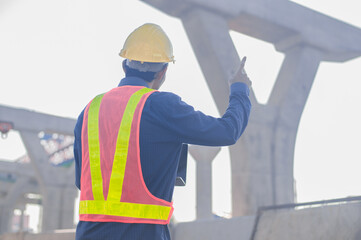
112 184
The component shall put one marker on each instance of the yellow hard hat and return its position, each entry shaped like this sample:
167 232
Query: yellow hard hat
148 43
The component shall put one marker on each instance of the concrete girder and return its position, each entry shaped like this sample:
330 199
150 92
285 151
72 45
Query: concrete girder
22 169
282 22
25 120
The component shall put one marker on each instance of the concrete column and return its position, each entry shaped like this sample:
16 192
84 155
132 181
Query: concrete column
204 156
5 219
8 204
51 208
58 207
251 164
69 194
289 97
262 160
21 224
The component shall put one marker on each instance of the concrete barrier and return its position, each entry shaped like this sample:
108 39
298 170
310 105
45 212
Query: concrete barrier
332 222
239 228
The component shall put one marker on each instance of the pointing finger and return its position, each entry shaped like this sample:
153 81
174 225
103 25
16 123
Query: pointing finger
243 61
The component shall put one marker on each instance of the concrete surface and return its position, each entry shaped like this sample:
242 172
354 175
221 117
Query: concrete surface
239 228
56 235
334 222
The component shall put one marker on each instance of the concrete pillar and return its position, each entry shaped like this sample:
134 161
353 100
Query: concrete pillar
289 97
251 165
204 156
5 219
8 204
58 208
51 208
262 161
69 193
21 224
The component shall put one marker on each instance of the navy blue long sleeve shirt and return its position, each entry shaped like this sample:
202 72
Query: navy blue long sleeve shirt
167 123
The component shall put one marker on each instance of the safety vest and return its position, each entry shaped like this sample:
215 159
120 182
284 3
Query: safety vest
112 184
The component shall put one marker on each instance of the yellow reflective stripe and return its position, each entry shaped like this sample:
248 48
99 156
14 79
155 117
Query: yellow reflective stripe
121 151
94 149
124 209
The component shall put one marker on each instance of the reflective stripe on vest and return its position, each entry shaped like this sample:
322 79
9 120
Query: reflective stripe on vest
113 206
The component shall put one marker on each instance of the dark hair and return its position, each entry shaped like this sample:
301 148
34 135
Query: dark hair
147 76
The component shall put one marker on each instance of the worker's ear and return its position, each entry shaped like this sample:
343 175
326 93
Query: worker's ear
161 73
159 79
123 64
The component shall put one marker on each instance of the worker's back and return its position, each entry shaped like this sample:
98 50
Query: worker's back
166 124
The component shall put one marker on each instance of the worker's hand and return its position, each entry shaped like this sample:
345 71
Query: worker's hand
241 75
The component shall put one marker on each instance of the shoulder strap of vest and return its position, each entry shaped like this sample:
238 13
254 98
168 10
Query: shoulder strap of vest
121 150
94 149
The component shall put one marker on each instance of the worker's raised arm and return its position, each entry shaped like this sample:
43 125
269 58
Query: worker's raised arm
186 125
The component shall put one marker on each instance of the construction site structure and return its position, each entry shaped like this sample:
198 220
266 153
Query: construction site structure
261 162
39 176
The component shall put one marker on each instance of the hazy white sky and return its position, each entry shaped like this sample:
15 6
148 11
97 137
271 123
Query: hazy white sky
56 55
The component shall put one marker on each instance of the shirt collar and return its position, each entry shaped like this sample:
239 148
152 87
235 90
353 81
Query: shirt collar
133 81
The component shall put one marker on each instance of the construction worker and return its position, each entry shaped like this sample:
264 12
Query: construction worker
129 141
